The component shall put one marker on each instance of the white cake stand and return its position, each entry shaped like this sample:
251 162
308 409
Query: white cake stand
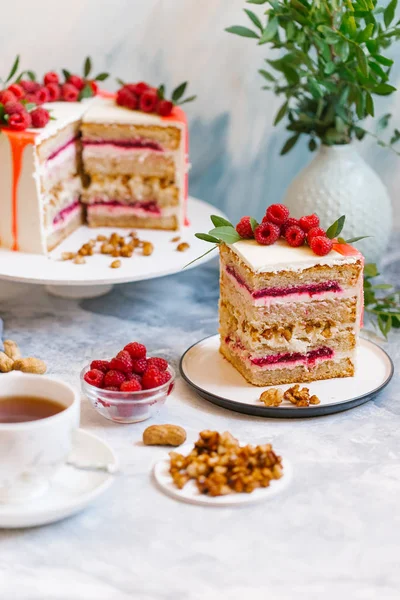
95 277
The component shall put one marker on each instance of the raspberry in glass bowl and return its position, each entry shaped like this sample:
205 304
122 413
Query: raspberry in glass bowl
126 406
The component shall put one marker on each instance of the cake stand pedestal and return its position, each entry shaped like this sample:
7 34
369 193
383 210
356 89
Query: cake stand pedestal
95 277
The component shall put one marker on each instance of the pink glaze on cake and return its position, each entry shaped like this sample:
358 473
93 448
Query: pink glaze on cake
295 357
140 143
61 149
149 207
66 213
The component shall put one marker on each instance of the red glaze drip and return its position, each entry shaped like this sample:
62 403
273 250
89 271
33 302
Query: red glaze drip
18 142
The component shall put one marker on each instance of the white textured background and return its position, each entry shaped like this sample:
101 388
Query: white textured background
235 149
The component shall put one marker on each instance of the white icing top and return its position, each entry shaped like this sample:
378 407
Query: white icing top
63 114
107 111
282 257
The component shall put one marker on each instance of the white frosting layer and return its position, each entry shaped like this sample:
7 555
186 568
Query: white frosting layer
282 257
63 114
107 111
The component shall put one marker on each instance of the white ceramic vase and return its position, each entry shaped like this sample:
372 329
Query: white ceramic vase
339 182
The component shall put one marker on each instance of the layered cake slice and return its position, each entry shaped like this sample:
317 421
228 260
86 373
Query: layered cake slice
136 167
288 315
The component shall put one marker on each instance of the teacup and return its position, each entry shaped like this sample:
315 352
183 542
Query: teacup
32 451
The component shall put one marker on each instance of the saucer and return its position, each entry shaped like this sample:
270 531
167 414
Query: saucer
70 491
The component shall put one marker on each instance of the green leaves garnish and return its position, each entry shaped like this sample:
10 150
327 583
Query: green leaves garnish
86 92
178 93
220 221
206 237
336 228
227 234
13 70
87 67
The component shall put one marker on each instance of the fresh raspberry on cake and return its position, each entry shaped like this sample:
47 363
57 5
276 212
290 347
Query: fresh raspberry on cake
267 233
13 107
114 378
157 362
148 101
153 378
308 222
244 228
295 236
20 121
122 362
76 81
94 377
127 98
277 214
69 92
17 90
42 95
289 223
132 385
139 365
321 245
314 232
51 77
100 365
30 98
164 108
54 91
138 88
136 350
7 96
40 117
29 86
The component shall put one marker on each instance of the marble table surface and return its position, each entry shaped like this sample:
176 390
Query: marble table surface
333 534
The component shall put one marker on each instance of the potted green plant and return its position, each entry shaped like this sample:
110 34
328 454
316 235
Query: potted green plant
330 64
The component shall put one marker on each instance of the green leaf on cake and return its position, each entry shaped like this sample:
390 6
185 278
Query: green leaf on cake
189 99
253 223
66 73
2 113
336 228
199 257
86 92
87 67
161 91
207 238
120 81
29 106
242 31
178 92
220 221
226 234
102 76
13 70
357 239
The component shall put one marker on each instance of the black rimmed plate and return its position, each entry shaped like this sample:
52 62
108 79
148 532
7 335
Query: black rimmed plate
215 379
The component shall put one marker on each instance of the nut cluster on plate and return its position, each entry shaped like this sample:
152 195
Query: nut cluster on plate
298 396
220 466
11 360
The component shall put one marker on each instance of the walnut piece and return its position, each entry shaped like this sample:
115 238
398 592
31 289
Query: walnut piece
300 397
272 397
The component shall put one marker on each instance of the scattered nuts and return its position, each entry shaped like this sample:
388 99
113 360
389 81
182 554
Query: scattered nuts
176 238
116 252
300 397
6 363
79 260
68 255
12 350
272 397
115 264
315 400
182 247
164 435
101 238
147 248
106 248
30 365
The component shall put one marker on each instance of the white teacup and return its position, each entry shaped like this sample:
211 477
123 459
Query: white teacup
32 451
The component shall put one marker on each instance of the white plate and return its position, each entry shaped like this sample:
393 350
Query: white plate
190 494
165 260
71 489
205 369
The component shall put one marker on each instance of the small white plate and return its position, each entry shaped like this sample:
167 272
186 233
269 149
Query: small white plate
190 494
214 378
71 489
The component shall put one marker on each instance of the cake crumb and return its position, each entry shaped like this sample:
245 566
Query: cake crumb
272 397
300 397
68 255
148 248
101 238
79 260
182 247
115 264
176 238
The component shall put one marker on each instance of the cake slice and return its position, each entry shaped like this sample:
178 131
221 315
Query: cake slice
136 167
288 315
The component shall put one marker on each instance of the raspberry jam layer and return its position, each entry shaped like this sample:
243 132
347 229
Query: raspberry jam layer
61 149
279 292
308 359
136 143
66 212
148 207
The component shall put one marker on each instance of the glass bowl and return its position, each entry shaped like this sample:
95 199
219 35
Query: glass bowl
127 407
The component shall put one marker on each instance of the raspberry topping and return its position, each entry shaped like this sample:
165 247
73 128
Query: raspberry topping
20 121
94 377
132 385
308 222
321 245
114 378
295 236
69 92
17 90
127 98
100 365
54 91
164 108
153 378
159 363
50 77
148 101
76 81
13 107
244 228
42 95
291 221
313 232
267 233
122 362
138 88
29 86
136 350
7 96
139 365
277 214
40 117
94 86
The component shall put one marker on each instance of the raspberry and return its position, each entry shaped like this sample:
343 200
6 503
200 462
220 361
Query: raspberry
7 96
54 91
288 224
139 365
20 121
40 117
127 98
164 108
42 95
69 92
114 378
13 107
94 86
31 97
165 377
29 86
130 376
321 245
148 101
295 236
138 88
267 233
94 377
136 350
277 214
76 81
122 362
313 232
152 379
51 77
159 363
244 228
130 386
109 388
17 90
308 222
100 365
